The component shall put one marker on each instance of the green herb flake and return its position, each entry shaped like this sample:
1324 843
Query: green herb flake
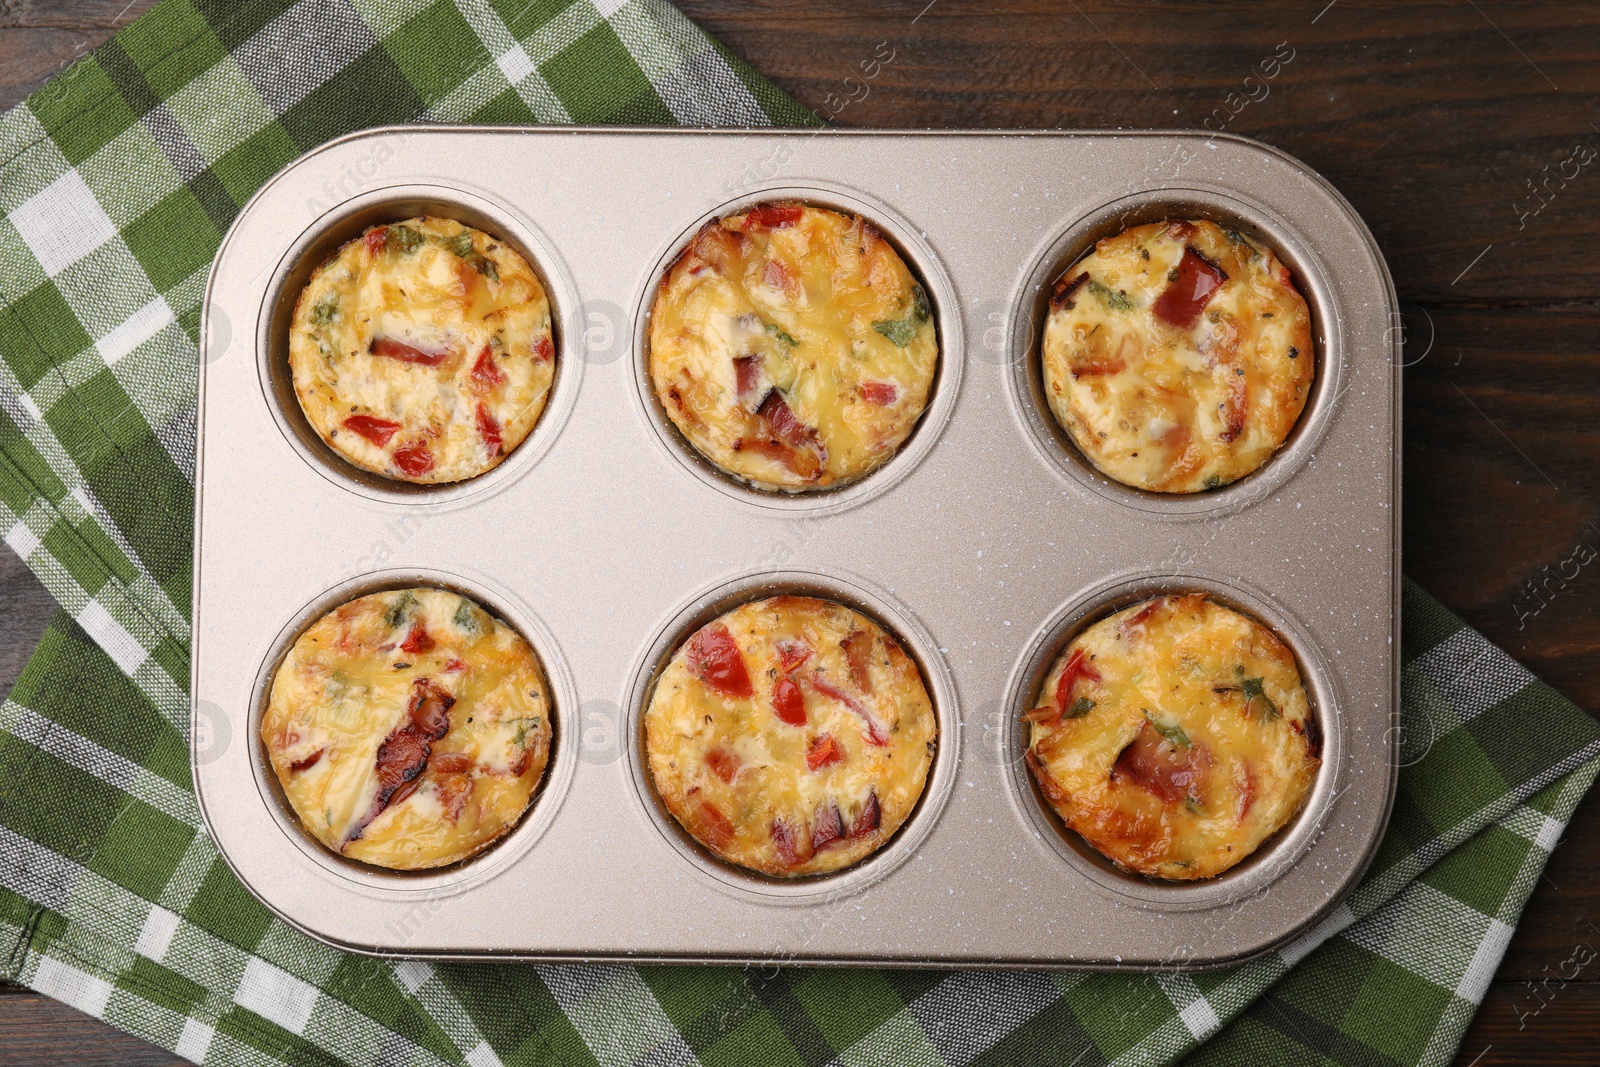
399 610
1194 806
1080 707
919 305
465 619
1234 237
1172 275
1168 728
483 265
779 332
900 332
1115 299
1214 481
325 310
1254 689
402 239
460 244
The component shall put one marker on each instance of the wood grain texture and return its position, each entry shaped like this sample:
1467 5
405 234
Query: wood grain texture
1447 124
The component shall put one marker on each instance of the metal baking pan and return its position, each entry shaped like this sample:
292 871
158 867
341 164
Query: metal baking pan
983 546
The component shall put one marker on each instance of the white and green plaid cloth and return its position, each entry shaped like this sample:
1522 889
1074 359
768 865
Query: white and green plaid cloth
117 181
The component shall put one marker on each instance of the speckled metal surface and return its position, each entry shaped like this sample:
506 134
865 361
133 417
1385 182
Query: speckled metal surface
983 545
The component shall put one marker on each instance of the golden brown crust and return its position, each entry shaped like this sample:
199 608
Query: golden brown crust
1178 355
791 736
1174 736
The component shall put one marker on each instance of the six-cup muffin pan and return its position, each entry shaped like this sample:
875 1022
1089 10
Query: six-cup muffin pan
983 546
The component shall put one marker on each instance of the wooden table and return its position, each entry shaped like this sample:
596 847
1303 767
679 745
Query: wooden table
1445 123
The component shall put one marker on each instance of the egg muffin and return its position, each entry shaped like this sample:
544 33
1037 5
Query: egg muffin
791 736
408 729
1174 736
792 346
1178 355
422 350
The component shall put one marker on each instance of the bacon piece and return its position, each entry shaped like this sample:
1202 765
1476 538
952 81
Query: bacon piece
1238 405
823 752
858 652
1180 230
875 734
789 702
1098 366
747 374
430 709
773 216
1065 291
543 350
1138 618
402 758
453 790
520 768
828 828
723 764
1153 763
788 843
791 654
414 460
486 373
1247 792
375 239
1042 713
1187 295
1313 735
1078 666
451 762
374 429
418 640
713 657
489 430
393 348
711 825
802 461
307 762
880 394
778 275
784 423
871 815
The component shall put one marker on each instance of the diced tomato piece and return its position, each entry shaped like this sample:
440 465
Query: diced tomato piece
1138 618
773 216
543 350
375 239
714 826
828 828
791 654
823 752
418 640
486 372
1065 291
881 394
1153 763
374 429
1238 405
430 709
789 702
858 652
1187 295
871 815
453 790
455 666
747 376
305 763
723 764
393 348
714 658
1247 791
1078 666
489 430
451 762
875 734
414 460
783 839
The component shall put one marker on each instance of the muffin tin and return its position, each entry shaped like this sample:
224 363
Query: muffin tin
984 545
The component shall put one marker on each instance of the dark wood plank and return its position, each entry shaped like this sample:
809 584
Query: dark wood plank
36 1031
39 38
1553 1025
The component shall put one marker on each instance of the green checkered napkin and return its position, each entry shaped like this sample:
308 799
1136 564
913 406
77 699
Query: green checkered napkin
117 181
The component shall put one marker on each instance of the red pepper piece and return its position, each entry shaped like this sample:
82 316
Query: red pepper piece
489 430
305 763
375 239
1187 295
791 654
789 702
1098 366
875 734
1078 666
414 460
713 826
430 709
723 764
374 429
455 666
823 752
485 371
828 828
543 349
1138 618
391 348
418 640
772 216
778 275
714 658
858 652
871 815
880 394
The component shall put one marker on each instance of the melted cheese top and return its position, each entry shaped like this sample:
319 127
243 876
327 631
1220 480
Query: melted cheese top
1172 408
814 761
792 347
354 707
422 350
1180 740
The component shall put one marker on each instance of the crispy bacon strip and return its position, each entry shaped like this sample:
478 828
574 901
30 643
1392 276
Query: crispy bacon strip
858 653
713 656
871 815
785 424
1098 366
394 348
1154 764
1187 295
747 376
875 734
453 790
1138 618
879 394
451 762
802 461
374 429
430 709
402 758
305 763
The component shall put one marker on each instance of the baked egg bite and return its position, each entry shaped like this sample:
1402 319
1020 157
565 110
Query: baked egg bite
422 350
409 728
791 346
791 736
1177 355
1174 736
